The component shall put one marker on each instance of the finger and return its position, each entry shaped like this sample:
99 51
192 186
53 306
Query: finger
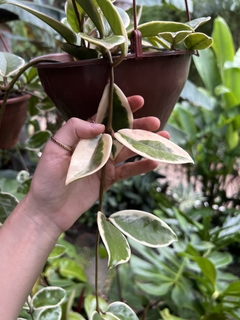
74 130
147 123
164 134
135 102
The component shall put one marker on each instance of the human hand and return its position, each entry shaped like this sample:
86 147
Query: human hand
63 205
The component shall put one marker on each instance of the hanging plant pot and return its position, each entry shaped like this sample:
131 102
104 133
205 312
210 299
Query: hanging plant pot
76 87
13 120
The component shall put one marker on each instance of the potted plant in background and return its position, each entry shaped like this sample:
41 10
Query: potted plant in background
98 36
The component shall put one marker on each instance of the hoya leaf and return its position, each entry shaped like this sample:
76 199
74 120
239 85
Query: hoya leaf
57 251
105 43
38 139
79 52
174 37
90 304
121 114
152 146
49 296
10 64
153 28
122 311
195 23
114 19
198 41
75 316
109 316
7 204
116 244
50 314
89 156
143 227
71 16
92 11
96 316
59 27
165 314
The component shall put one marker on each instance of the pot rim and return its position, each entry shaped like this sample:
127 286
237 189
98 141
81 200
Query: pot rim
23 97
61 60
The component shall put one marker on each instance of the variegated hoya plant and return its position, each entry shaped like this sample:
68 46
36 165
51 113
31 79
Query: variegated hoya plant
99 29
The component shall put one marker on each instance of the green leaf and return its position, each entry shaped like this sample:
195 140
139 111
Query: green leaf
156 289
233 289
187 122
92 11
7 204
116 23
105 43
208 269
116 244
152 146
153 28
232 137
121 114
90 304
96 316
174 37
89 156
75 316
195 23
10 64
122 311
38 140
69 268
165 314
207 68
49 296
198 41
57 251
79 52
50 314
143 227
71 16
59 27
223 45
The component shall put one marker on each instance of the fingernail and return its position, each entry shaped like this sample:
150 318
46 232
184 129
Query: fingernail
97 125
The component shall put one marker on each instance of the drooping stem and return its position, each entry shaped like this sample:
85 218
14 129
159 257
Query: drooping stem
96 269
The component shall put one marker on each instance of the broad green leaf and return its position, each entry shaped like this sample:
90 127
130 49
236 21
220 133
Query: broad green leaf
7 204
233 289
208 269
232 137
57 251
174 37
122 311
79 52
153 28
198 41
10 64
121 114
195 23
143 227
38 140
90 304
116 244
223 45
207 68
59 27
71 16
152 146
116 23
105 43
96 316
89 156
109 316
69 268
92 11
187 122
165 314
75 316
50 314
48 296
155 289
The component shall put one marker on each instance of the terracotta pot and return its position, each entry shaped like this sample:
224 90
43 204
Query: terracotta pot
13 120
76 87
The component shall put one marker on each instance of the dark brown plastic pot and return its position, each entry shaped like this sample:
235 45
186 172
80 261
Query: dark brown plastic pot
13 119
76 87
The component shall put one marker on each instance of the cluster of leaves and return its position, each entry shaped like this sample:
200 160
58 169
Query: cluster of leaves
103 26
209 117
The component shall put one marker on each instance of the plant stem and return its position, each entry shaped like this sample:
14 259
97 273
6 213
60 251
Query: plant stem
96 269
